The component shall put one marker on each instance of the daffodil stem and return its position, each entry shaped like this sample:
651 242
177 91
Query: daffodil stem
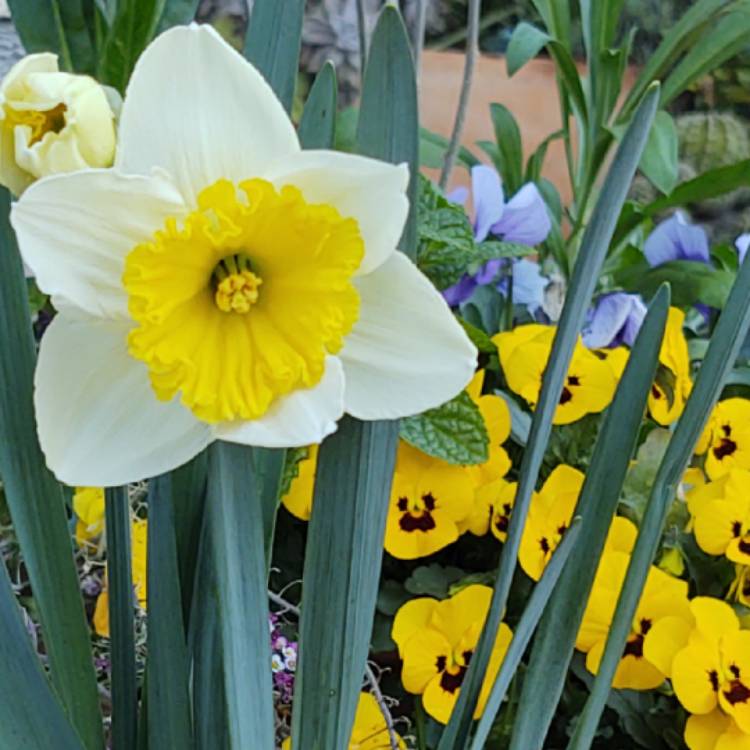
370 675
472 53
121 619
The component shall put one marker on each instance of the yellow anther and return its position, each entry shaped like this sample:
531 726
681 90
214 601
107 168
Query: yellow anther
238 292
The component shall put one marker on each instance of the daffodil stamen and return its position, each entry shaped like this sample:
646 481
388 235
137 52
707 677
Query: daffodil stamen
235 283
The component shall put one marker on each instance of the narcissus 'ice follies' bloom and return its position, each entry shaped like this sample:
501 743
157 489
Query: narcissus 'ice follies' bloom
370 731
726 439
436 640
670 391
51 122
591 381
220 283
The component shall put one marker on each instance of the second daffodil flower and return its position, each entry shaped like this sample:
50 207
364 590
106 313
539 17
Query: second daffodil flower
220 283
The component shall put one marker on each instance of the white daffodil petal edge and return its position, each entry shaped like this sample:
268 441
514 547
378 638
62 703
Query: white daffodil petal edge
407 353
370 191
198 109
304 417
98 419
74 231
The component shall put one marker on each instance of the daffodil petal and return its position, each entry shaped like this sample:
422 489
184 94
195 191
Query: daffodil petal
406 352
99 421
305 416
74 231
198 109
370 191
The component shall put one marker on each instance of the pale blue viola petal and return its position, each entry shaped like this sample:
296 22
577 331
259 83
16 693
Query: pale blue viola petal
489 201
529 285
676 239
742 243
461 291
525 219
615 320
459 195
489 271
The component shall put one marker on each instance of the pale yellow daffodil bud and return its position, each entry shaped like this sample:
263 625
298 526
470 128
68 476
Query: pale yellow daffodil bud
51 122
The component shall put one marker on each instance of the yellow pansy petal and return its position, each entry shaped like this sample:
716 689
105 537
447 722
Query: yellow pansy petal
738 550
622 534
413 616
438 701
298 500
504 637
88 504
454 616
100 620
370 731
713 617
424 655
563 479
695 670
716 525
590 386
474 389
702 732
665 640
733 738
496 415
139 547
410 540
493 503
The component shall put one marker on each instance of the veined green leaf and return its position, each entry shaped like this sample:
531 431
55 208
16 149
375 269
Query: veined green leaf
553 646
57 26
391 131
522 635
121 618
525 44
344 550
30 715
355 464
585 275
317 129
176 13
168 672
728 337
235 521
273 42
36 504
454 432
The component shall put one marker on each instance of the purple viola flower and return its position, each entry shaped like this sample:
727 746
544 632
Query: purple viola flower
742 243
615 320
676 239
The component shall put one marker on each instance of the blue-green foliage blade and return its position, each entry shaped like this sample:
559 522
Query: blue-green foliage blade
553 646
168 681
235 521
594 248
272 44
36 503
317 128
726 341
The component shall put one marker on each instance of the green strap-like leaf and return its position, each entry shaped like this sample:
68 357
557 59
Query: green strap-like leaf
522 635
273 42
594 248
57 26
508 139
269 468
235 518
176 13
121 619
317 128
344 551
36 504
168 682
388 126
30 715
727 339
553 645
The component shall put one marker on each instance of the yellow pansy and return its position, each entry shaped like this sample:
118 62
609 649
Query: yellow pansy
663 597
740 588
493 503
722 517
549 516
726 439
222 284
591 380
436 640
298 500
139 543
370 731
88 505
51 122
715 731
430 499
665 407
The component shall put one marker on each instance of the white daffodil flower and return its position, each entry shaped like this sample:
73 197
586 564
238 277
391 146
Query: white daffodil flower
51 122
220 283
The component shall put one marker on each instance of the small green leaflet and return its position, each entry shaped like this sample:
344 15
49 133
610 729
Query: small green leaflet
446 248
454 432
